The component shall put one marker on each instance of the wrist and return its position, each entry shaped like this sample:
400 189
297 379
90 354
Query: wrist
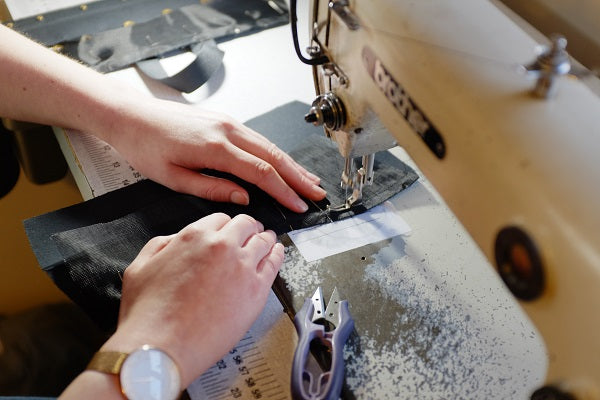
144 373
104 386
132 335
114 112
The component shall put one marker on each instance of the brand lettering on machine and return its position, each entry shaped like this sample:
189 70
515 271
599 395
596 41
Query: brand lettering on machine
400 99
402 102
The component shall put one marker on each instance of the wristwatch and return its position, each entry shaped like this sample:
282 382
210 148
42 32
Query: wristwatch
145 373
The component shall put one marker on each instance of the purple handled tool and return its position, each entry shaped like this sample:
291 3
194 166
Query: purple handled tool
327 329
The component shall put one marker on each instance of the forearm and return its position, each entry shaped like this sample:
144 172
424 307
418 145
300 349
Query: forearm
96 384
38 85
167 142
192 353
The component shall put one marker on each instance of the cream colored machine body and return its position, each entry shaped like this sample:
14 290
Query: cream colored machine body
521 171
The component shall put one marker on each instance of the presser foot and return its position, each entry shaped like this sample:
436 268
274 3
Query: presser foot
354 200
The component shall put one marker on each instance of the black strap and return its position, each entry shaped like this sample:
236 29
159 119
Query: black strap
208 59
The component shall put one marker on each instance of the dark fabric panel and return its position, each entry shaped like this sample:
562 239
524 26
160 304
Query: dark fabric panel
105 208
96 34
69 24
117 48
87 260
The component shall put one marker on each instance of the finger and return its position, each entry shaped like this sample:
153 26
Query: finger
309 175
302 181
269 266
251 139
314 179
150 249
154 246
212 222
259 245
207 187
259 172
241 228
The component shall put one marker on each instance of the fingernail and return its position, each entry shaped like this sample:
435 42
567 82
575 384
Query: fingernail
301 205
319 191
239 198
313 177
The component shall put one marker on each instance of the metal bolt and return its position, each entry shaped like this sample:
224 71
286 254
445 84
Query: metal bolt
551 64
311 117
313 51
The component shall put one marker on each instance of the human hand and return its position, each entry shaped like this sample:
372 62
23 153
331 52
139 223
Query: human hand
170 142
166 141
196 293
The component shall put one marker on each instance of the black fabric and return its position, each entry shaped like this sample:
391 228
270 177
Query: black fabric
95 33
86 248
117 48
207 61
68 25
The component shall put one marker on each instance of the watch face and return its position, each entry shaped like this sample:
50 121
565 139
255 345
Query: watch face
150 374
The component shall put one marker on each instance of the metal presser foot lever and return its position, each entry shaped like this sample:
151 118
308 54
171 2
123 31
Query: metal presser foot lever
355 179
329 327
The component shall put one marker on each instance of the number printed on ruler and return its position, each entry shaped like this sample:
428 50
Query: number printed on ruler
243 374
104 168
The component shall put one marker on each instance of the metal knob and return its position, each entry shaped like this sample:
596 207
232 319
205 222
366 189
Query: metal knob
549 65
328 110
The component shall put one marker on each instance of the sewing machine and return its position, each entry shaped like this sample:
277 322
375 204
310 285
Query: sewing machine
504 135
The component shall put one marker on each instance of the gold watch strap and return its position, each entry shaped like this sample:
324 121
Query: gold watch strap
109 362
4 13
